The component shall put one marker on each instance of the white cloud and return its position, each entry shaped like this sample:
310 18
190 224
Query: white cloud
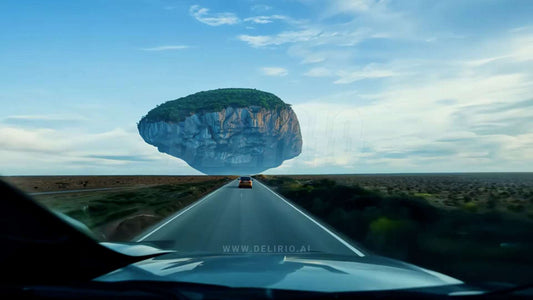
255 40
367 72
394 136
324 36
319 72
45 121
523 48
313 55
281 38
356 6
259 20
484 61
202 14
166 48
467 89
484 124
376 16
52 117
518 48
25 140
274 71
39 151
265 19
312 36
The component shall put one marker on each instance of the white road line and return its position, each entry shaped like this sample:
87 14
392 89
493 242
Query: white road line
317 223
181 212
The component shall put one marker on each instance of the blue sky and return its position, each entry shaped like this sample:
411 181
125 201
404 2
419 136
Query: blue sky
378 86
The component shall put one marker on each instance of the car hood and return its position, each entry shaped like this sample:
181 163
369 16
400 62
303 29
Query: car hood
320 273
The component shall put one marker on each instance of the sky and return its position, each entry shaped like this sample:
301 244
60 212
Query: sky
379 86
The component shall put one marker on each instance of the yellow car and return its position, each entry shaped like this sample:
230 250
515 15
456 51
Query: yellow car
245 182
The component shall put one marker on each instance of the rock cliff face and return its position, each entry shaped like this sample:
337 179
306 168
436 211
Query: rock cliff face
235 140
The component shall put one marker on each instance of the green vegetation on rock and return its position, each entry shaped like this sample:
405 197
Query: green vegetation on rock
212 101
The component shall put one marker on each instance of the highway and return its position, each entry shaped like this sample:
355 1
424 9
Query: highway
232 220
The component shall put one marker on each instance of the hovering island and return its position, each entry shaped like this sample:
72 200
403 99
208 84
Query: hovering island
225 131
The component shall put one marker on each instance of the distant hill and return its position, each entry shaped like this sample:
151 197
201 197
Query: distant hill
211 101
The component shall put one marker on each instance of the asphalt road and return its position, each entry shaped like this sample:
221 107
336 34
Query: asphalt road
232 220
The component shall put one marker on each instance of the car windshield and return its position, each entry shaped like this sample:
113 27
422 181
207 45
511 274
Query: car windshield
377 138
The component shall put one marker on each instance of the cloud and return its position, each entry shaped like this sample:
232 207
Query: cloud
46 117
522 52
353 6
516 47
325 37
368 72
166 48
376 9
377 17
202 14
318 72
122 157
274 71
415 137
26 151
259 20
315 35
279 39
255 40
496 118
265 19
424 152
446 102
31 140
311 55
45 121
523 47
438 116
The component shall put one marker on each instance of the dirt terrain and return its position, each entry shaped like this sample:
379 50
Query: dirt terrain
36 184
475 227
117 208
475 192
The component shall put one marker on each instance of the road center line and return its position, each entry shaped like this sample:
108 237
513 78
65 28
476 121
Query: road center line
356 251
183 211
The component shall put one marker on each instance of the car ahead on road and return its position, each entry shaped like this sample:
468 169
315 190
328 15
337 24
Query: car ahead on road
44 257
245 182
